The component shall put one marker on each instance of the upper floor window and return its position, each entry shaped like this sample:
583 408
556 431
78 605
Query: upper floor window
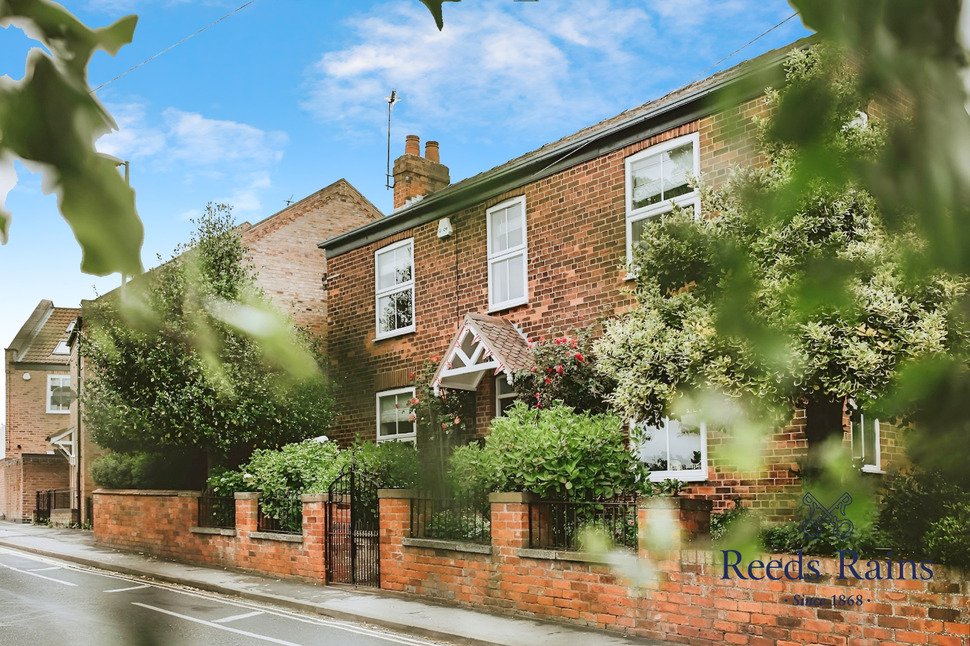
865 440
508 262
656 179
59 393
394 421
676 449
394 288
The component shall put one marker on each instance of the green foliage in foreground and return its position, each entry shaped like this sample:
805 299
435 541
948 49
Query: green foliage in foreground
787 288
552 452
171 370
51 118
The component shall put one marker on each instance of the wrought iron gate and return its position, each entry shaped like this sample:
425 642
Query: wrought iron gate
352 530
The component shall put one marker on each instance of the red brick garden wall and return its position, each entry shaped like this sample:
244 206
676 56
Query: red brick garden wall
685 600
21 478
164 523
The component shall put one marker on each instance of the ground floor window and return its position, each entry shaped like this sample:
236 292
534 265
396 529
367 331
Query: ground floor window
675 449
394 420
865 440
505 396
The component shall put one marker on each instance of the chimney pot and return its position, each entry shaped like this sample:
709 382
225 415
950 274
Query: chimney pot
431 152
412 145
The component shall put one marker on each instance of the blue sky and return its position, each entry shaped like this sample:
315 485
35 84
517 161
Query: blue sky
284 97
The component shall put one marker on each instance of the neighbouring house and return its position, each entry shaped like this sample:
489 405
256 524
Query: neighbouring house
290 266
468 272
40 401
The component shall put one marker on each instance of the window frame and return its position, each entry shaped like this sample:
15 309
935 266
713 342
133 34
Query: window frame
411 437
693 475
663 206
393 289
492 258
876 466
50 379
499 397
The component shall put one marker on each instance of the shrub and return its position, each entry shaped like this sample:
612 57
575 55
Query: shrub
140 471
455 525
552 452
388 465
281 475
946 540
912 503
563 371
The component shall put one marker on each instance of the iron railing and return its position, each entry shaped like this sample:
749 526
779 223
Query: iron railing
282 519
564 524
465 517
217 511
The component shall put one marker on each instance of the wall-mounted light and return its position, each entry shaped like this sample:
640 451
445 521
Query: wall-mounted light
26 376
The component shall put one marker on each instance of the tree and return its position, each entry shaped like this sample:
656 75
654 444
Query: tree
791 291
170 370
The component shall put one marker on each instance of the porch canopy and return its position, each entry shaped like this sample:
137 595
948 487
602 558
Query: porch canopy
482 344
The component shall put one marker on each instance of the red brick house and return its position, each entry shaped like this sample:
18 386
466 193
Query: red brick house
290 266
467 272
40 399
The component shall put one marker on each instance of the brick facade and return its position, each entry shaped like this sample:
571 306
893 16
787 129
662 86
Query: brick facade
283 249
576 242
30 360
680 595
164 524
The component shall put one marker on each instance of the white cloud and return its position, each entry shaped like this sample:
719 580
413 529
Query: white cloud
509 64
231 157
201 141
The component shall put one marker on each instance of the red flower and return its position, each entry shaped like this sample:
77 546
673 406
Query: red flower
539 405
549 371
410 375
538 395
579 357
559 369
457 420
443 425
548 380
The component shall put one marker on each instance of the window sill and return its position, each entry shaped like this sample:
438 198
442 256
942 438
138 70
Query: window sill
870 468
692 476
58 412
445 544
494 309
395 333
411 438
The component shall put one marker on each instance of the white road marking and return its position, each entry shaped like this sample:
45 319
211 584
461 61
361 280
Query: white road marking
39 576
134 587
215 625
226 620
44 569
276 612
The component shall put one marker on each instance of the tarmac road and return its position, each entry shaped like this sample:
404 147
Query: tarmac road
45 601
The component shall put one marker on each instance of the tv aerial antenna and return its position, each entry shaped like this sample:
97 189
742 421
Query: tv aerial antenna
391 100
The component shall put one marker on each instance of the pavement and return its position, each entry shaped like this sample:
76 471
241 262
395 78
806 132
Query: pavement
398 612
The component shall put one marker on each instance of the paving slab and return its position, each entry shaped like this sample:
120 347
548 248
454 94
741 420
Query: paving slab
398 612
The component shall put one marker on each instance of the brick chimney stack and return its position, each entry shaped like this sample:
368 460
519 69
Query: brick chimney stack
416 176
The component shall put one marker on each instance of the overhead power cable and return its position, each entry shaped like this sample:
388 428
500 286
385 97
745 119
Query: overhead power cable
237 9
753 40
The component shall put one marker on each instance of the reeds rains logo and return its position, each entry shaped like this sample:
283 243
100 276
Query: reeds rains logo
820 522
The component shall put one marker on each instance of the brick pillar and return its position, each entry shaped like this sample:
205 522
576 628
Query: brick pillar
510 522
395 523
668 524
315 534
247 513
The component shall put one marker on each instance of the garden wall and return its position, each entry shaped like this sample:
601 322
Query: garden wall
688 598
165 524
